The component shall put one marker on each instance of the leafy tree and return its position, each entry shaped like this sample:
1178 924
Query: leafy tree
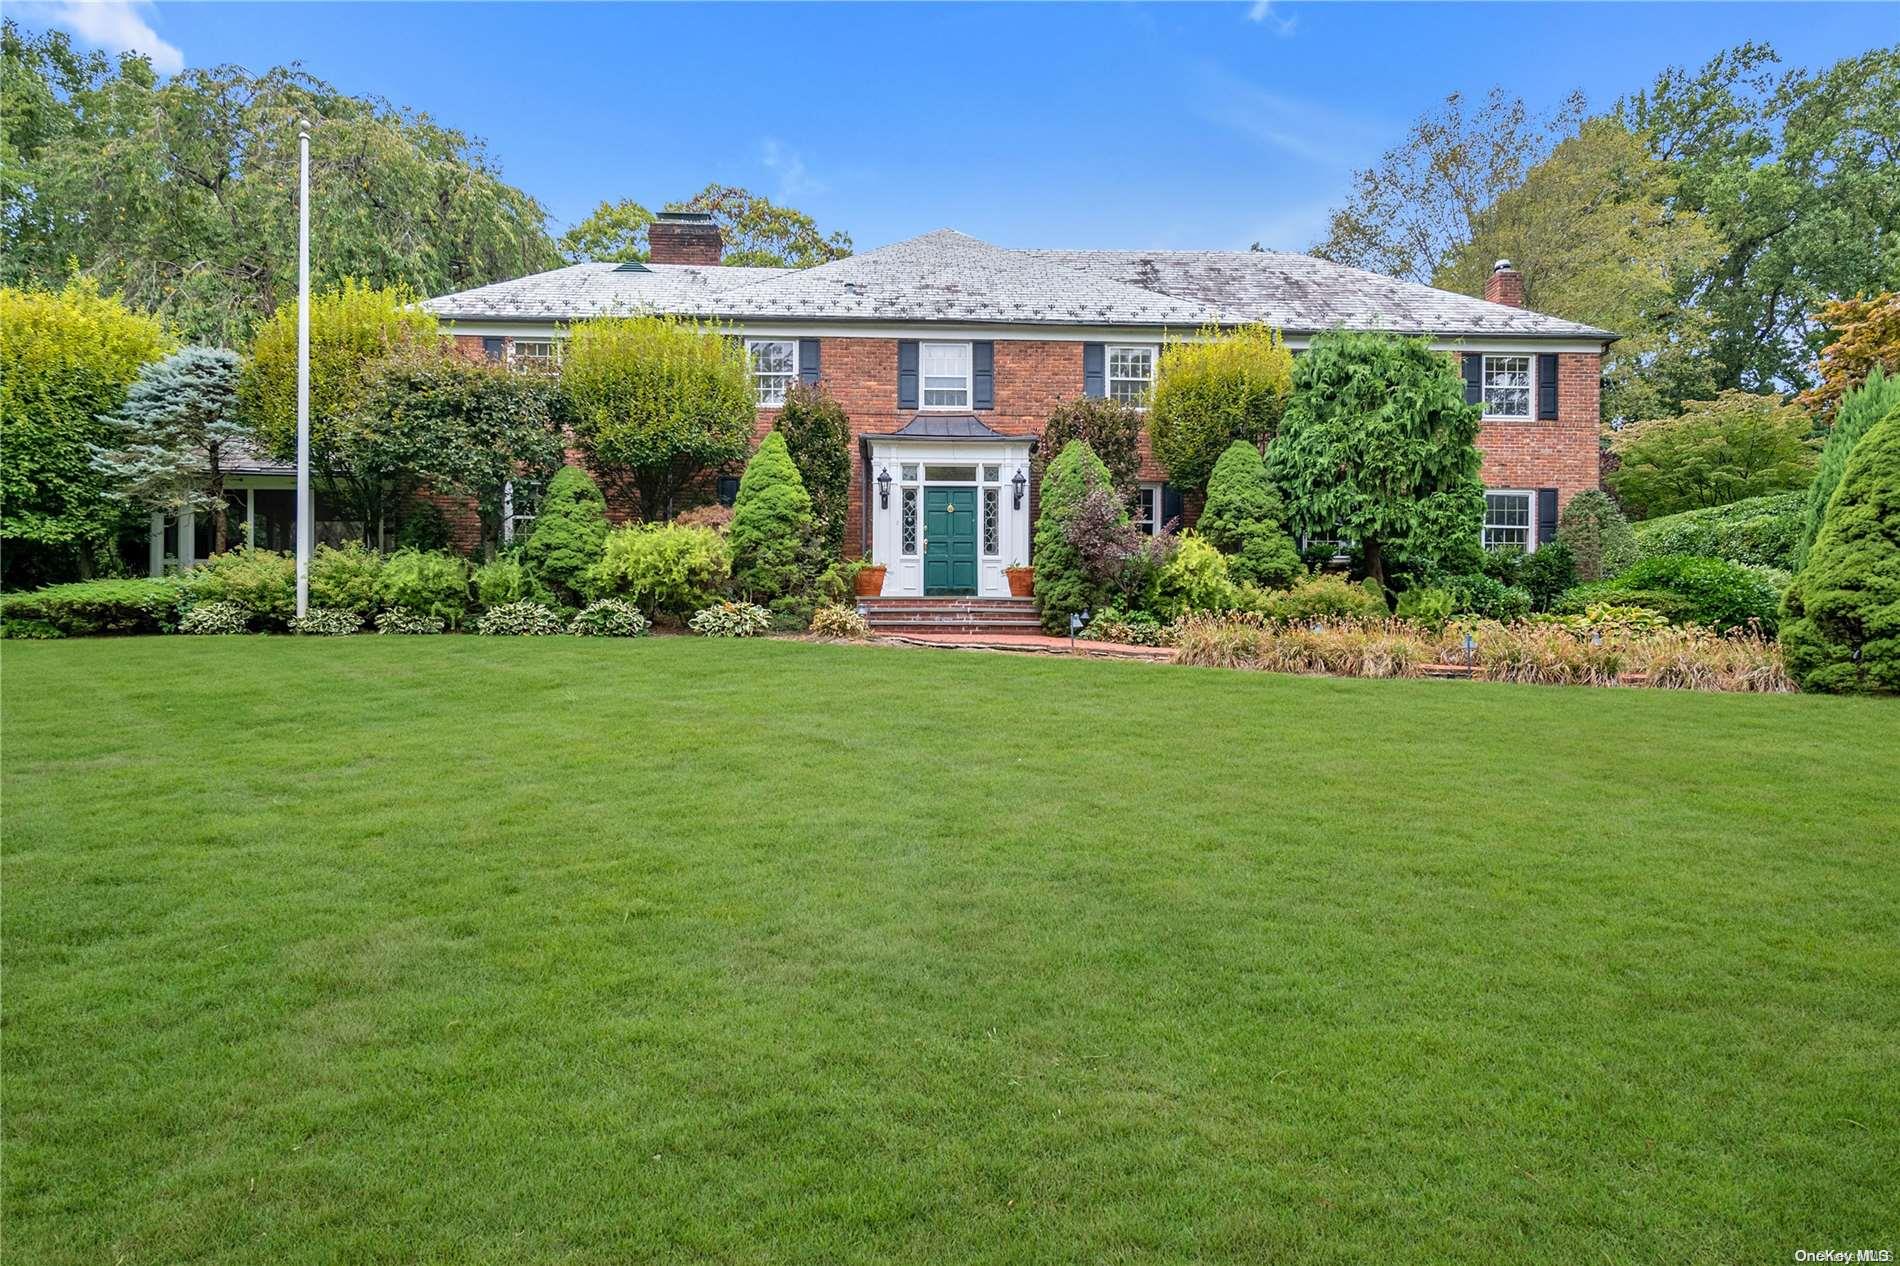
569 534
1411 212
818 436
1841 617
464 427
1795 175
1593 231
1379 445
1207 394
1063 584
361 455
616 233
761 234
1599 538
663 399
1865 405
771 525
1866 335
1716 451
1244 517
175 430
67 359
177 194
1112 430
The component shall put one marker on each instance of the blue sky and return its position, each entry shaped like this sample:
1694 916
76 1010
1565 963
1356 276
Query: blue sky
1048 125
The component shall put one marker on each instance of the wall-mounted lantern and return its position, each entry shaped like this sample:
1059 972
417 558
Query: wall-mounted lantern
884 488
1021 484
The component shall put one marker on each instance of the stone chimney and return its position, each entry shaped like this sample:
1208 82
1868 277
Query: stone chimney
1505 285
685 237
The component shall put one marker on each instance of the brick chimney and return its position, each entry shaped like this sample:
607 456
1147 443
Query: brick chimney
685 237
1505 285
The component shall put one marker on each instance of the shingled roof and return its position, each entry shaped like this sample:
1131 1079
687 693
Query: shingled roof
947 276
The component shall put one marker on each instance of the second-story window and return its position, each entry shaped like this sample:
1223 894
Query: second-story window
1131 372
774 366
1507 386
945 368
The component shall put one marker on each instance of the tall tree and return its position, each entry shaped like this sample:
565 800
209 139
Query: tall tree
1716 451
1593 230
176 431
1865 337
67 359
1412 210
757 231
1208 393
616 233
1379 445
179 195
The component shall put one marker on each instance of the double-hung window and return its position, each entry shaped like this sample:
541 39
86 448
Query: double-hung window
534 353
1145 514
1507 386
1507 520
945 369
1131 372
774 368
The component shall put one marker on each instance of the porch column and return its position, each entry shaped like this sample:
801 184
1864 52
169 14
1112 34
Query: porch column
187 539
155 553
250 517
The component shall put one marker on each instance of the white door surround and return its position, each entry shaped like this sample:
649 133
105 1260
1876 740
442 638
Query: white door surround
937 453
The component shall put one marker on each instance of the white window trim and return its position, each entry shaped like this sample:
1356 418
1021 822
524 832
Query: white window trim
1150 495
753 372
1530 398
1108 360
969 377
515 360
1530 516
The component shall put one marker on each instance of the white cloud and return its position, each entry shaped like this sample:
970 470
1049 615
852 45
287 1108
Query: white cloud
1262 11
794 181
1302 128
116 26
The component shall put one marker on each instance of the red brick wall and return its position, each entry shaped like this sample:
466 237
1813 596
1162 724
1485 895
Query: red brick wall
1560 454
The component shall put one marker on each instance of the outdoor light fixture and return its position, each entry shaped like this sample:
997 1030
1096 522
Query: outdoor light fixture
1019 483
884 488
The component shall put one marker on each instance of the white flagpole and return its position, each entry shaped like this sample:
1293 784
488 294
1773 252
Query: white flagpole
305 517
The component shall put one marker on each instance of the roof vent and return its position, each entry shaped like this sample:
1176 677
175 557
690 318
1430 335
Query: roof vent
632 266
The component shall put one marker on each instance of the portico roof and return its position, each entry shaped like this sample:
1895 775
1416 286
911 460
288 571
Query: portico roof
940 426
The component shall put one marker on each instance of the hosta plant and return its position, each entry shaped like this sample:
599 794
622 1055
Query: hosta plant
518 619
839 622
397 620
216 618
327 622
610 617
731 619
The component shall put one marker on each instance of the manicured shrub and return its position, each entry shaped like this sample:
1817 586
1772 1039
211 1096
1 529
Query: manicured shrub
1842 631
408 623
1761 531
731 619
327 622
609 617
1546 574
1245 519
90 608
818 439
1227 386
1705 591
771 526
344 578
839 622
519 619
505 580
262 582
1488 597
1427 606
664 570
1064 586
712 515
1859 410
569 534
1195 579
1137 628
1111 429
1598 536
425 584
215 618
1327 597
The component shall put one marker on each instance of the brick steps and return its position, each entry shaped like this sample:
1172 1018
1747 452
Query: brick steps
951 615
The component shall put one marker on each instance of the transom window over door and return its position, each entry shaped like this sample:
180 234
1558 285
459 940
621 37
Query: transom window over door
1131 372
1507 386
945 368
1507 520
774 366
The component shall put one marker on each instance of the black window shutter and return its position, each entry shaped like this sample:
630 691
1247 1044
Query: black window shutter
491 348
1546 515
1547 386
728 489
1170 505
907 374
1473 365
808 361
983 375
1093 382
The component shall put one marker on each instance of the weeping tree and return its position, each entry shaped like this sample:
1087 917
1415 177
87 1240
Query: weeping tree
174 434
1379 445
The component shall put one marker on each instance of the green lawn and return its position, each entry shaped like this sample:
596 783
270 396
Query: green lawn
479 950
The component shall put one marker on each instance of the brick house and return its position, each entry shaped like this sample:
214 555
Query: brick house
948 354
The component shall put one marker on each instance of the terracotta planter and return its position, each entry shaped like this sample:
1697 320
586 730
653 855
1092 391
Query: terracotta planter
1022 581
870 581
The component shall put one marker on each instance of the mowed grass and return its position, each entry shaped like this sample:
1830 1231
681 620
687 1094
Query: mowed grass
475 950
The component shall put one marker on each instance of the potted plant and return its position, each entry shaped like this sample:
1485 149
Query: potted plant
869 582
1022 580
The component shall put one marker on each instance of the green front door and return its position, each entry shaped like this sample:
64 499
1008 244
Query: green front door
950 540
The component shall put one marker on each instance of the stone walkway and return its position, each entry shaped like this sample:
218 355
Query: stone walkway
1033 643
